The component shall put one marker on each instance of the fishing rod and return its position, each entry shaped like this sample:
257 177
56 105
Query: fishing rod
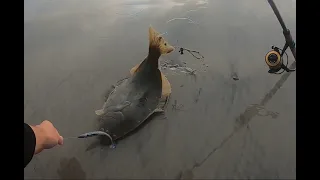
274 58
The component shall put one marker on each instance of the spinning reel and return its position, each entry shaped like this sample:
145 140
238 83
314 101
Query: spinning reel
274 58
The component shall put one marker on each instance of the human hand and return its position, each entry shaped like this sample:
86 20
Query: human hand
47 136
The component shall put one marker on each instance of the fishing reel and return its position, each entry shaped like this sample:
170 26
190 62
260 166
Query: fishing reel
274 60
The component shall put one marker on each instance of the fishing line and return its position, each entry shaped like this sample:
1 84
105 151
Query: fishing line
192 52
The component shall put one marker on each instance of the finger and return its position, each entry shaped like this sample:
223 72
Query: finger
60 141
57 132
60 138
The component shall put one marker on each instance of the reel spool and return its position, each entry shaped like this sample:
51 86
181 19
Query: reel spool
274 59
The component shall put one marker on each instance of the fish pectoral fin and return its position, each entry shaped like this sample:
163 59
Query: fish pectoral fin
99 112
115 115
113 110
118 107
125 104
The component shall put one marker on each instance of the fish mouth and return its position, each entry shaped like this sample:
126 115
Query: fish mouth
170 50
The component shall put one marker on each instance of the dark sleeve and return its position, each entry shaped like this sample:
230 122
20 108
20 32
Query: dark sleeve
29 144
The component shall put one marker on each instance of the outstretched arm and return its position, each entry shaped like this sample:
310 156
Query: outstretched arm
38 138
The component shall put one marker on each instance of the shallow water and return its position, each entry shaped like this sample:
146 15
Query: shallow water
74 50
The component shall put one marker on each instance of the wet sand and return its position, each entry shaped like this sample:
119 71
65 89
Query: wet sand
75 50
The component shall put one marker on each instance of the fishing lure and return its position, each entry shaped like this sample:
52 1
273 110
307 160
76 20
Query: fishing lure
98 133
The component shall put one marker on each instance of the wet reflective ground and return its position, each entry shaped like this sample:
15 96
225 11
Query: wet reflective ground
74 50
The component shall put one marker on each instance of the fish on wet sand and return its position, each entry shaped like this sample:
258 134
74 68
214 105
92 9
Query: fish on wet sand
138 96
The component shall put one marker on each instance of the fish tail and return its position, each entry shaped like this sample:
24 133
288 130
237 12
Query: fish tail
156 41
